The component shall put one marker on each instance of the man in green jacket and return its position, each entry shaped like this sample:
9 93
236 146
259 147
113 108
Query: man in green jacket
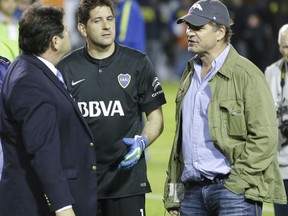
224 156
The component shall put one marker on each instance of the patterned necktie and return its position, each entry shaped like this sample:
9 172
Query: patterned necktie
60 77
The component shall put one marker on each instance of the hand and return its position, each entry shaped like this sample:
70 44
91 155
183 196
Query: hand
67 212
137 146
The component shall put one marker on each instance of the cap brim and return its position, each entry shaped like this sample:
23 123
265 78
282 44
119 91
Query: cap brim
193 19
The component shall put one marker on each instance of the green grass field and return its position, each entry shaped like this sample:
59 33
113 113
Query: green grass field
158 156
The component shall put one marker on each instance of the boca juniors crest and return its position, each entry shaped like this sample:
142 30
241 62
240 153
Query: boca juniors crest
124 80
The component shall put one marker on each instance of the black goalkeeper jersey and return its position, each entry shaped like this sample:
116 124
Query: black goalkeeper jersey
112 93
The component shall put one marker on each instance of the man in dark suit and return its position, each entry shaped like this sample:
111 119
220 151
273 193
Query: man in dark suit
49 156
4 63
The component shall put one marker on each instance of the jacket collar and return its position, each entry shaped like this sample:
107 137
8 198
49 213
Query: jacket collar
230 63
226 69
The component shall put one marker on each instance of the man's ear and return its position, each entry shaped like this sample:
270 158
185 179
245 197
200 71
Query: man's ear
55 43
221 32
82 29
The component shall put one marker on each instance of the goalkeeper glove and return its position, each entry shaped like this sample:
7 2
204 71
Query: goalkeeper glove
137 146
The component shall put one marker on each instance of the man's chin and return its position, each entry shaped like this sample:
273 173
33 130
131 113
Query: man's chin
191 49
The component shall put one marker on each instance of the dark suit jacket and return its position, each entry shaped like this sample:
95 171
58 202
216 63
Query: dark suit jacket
49 156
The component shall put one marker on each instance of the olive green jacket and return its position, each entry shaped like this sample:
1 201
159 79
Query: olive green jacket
243 124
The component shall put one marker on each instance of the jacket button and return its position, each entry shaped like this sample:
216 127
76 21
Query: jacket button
94 168
47 200
91 145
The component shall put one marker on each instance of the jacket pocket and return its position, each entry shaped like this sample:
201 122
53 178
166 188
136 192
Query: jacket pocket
71 173
233 117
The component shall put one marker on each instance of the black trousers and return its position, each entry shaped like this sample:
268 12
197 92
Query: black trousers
126 206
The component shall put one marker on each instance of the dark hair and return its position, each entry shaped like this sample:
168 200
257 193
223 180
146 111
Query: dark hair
38 25
86 6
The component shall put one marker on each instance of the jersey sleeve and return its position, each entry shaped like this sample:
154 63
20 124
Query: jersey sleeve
151 92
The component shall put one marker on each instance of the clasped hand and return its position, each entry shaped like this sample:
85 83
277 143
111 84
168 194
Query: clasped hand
137 146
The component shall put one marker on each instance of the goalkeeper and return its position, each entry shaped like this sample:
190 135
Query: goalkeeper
113 85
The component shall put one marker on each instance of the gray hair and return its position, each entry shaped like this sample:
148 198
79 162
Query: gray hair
283 30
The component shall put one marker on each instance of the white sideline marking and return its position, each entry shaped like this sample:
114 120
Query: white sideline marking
154 196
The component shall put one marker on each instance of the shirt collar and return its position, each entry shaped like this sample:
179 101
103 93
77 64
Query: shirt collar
48 64
218 62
